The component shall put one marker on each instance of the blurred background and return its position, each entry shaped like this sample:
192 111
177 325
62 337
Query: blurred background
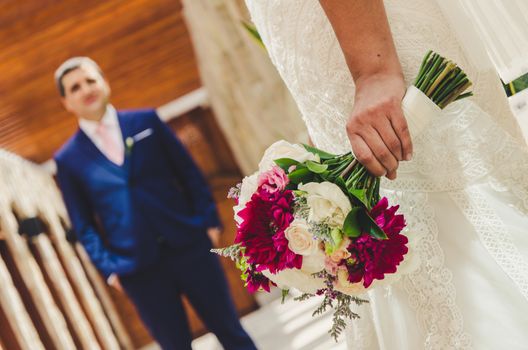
210 80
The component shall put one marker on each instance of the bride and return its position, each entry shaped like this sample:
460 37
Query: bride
462 183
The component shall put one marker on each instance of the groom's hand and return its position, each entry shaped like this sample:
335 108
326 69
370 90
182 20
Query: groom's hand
377 128
214 235
113 280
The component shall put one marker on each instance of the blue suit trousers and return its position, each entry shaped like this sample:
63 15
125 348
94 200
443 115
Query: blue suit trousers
156 291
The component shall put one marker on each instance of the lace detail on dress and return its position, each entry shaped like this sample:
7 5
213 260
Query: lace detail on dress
513 179
463 146
494 235
430 289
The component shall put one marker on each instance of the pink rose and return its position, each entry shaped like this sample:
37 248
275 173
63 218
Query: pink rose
341 253
330 266
273 180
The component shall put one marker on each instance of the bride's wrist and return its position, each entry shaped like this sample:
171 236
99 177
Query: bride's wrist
392 83
366 78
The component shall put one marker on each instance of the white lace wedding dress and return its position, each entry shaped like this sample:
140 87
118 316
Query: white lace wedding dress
465 192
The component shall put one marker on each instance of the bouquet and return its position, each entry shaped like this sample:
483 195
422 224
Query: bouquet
316 222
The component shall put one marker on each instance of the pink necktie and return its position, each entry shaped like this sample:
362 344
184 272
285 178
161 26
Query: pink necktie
110 147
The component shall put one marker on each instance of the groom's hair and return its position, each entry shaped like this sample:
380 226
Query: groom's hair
72 64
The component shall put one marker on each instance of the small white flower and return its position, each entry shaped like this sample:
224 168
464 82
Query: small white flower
314 263
249 186
327 202
283 149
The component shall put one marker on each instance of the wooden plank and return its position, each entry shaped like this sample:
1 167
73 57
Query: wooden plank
32 277
61 285
87 297
105 298
17 316
32 190
26 208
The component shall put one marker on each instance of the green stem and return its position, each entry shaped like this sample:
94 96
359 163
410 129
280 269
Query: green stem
355 176
349 168
422 67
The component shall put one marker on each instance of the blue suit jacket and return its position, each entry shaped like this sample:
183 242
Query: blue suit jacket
158 193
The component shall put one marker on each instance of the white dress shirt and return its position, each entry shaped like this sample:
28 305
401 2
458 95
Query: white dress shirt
111 122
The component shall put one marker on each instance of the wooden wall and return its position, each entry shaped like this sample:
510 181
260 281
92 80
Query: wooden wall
142 46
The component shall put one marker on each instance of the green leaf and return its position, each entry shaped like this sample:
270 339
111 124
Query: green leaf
326 176
316 167
320 153
340 182
252 30
337 237
351 226
370 226
300 175
286 163
299 193
359 194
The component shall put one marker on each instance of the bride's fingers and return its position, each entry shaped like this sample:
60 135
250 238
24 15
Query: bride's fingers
399 124
365 156
382 153
386 132
391 175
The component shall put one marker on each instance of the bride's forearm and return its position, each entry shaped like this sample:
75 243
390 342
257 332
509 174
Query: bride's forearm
363 32
376 127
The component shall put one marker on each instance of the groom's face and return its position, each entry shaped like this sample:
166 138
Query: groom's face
86 92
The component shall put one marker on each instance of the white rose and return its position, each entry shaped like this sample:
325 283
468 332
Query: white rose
300 240
249 186
326 201
293 278
283 149
314 263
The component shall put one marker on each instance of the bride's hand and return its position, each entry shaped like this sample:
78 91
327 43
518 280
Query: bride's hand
377 128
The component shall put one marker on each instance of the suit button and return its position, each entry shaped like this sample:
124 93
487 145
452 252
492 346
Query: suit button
160 239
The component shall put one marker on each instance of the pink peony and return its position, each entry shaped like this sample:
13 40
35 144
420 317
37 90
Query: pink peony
272 181
372 258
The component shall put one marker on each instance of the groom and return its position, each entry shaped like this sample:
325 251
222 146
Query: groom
143 211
